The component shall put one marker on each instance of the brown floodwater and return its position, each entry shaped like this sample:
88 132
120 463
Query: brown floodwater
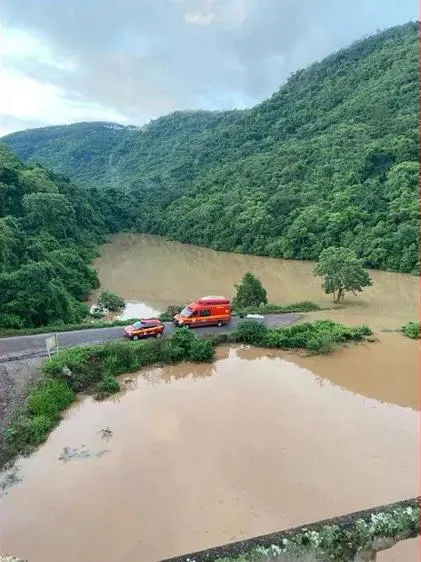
202 455
150 273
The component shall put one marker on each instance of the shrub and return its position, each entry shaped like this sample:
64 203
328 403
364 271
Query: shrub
251 332
320 336
183 337
202 350
50 399
111 301
250 292
171 311
28 432
412 330
109 385
38 429
11 321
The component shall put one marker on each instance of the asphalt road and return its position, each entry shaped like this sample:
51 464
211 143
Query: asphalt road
22 347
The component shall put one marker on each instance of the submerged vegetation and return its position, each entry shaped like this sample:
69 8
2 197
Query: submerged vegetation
331 159
412 330
94 368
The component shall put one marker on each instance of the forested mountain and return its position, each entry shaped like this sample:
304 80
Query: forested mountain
332 158
49 229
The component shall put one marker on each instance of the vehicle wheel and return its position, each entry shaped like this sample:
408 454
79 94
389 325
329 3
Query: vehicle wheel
219 324
135 338
158 335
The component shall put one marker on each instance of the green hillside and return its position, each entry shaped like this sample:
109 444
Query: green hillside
49 229
332 158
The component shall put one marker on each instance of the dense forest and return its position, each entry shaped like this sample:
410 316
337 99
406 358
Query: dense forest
49 231
332 158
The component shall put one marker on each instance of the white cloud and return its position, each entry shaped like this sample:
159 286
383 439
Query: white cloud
17 45
101 59
25 99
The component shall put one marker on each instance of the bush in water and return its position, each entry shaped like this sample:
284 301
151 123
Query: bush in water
320 336
110 301
412 330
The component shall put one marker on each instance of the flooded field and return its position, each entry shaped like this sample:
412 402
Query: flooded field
151 273
191 456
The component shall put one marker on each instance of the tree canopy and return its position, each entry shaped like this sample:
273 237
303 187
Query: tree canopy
342 272
331 159
49 229
250 292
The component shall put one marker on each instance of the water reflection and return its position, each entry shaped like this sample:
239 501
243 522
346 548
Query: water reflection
248 445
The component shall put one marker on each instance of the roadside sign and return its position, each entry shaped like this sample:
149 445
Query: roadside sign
52 344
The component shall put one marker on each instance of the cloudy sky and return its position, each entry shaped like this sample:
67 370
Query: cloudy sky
132 60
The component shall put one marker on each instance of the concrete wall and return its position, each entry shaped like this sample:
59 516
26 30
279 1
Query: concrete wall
269 547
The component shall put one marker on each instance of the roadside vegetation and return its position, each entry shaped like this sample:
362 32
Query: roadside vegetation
412 330
94 368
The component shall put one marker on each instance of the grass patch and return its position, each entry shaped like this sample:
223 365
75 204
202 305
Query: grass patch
94 368
304 306
412 330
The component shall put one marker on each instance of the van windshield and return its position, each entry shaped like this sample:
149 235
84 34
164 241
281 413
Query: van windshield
186 312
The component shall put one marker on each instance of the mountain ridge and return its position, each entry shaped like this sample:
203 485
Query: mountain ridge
331 158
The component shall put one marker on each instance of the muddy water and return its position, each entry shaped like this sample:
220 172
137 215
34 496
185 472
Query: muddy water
151 273
205 454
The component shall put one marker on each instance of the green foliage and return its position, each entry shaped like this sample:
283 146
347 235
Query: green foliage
111 301
412 330
331 159
42 412
342 272
109 385
48 232
50 399
172 310
194 348
251 332
321 336
250 292
202 350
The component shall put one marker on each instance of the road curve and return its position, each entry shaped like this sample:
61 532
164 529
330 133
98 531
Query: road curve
22 347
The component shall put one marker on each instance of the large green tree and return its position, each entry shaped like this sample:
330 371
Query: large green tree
49 229
342 272
250 292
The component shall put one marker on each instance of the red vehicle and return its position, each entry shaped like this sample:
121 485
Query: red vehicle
207 311
145 328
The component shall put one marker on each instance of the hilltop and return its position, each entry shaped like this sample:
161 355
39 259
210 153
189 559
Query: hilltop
332 158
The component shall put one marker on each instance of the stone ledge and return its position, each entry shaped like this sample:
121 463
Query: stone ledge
344 522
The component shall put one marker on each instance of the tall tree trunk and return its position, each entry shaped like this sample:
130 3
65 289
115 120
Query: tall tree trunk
341 294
